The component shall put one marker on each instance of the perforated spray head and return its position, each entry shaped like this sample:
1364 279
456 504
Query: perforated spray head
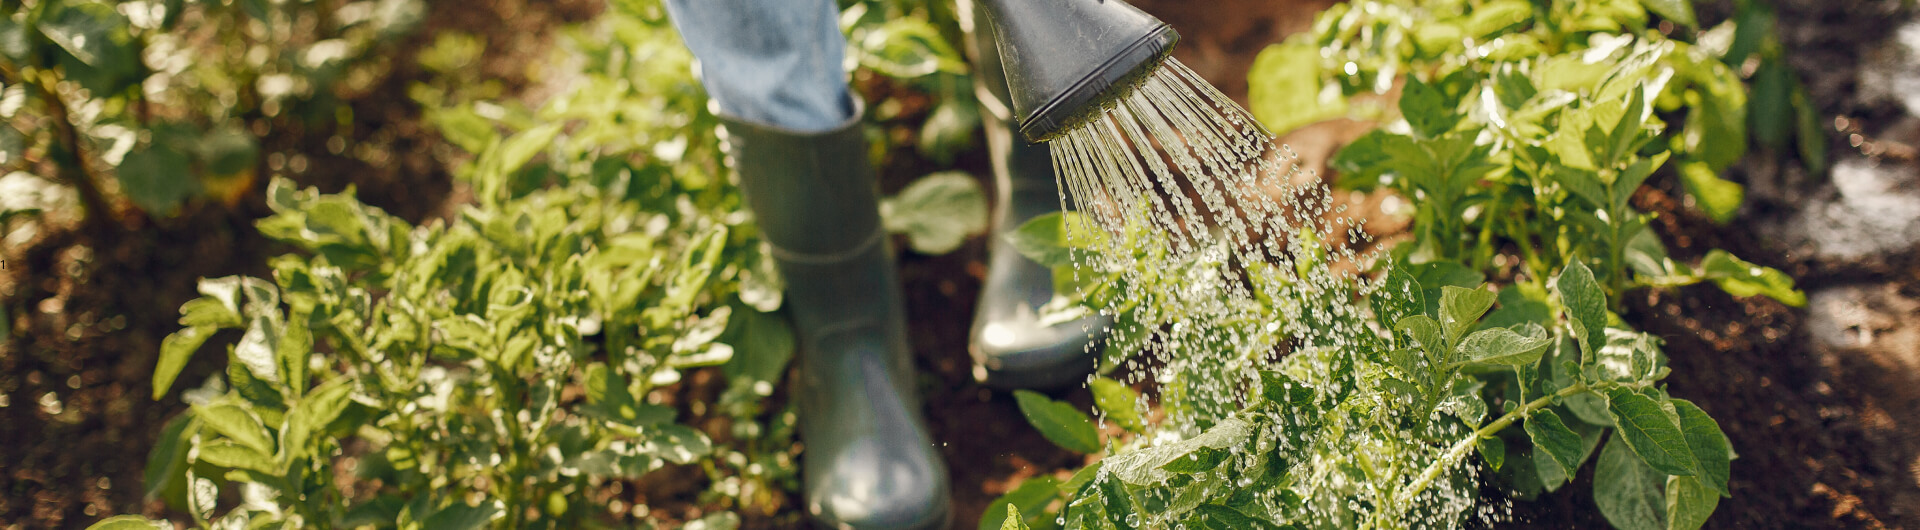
1065 60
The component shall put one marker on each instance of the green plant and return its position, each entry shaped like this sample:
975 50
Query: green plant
499 368
162 101
1521 133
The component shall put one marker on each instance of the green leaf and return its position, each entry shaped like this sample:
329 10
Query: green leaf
256 348
1493 450
1560 444
167 462
763 344
1689 502
1012 521
1398 296
1740 278
1812 132
1031 497
238 424
1201 460
227 151
1117 401
937 212
1226 518
156 179
1515 347
130 522
1497 17
462 516
1516 309
1770 104
519 149
1678 11
209 312
1651 431
174 352
1060 422
1050 239
1719 198
325 404
949 130
680 444
227 454
1281 389
1428 111
1460 309
1425 332
1284 90
1586 305
906 47
1628 492
95 48
1434 275
1710 446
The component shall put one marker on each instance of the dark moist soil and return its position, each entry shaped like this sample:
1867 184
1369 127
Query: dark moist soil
1814 447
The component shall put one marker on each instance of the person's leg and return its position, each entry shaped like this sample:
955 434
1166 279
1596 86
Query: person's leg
1010 347
794 132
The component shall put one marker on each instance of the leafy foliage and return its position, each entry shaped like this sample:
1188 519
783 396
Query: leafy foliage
1529 151
500 367
1540 137
162 100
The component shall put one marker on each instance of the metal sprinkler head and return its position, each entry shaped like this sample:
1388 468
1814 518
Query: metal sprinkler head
1066 60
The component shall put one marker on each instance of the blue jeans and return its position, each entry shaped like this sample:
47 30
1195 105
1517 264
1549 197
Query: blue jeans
770 62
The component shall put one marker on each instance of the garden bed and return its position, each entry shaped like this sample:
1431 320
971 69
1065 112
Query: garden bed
1824 434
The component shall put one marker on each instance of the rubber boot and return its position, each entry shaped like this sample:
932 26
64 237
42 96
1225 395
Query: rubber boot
1010 348
869 462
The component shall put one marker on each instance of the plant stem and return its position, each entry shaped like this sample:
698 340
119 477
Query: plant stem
1459 450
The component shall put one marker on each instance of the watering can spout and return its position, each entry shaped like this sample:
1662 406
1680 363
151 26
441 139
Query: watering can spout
1065 60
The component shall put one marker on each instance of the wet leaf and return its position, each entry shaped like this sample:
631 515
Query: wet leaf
1515 347
1461 308
1117 401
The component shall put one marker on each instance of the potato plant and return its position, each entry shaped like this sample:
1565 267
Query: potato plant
1369 434
159 102
503 367
500 367
1521 132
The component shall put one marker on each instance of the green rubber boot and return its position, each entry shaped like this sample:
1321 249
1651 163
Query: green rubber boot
1011 349
869 462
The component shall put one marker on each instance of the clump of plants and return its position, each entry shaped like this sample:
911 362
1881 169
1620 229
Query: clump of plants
158 103
1520 134
519 362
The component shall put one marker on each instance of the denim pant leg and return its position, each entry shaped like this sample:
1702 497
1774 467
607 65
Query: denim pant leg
770 62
